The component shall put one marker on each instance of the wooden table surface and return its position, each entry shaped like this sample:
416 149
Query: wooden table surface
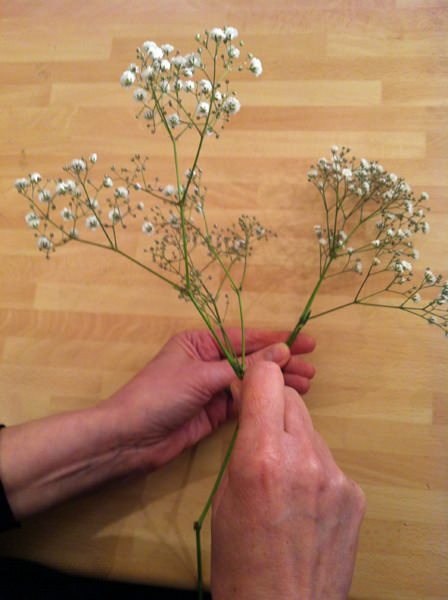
368 74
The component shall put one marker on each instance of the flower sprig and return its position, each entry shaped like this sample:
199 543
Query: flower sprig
189 91
371 219
203 262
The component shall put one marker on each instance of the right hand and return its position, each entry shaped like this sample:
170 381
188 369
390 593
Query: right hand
286 519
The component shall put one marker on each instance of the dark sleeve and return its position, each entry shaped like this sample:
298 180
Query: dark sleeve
7 519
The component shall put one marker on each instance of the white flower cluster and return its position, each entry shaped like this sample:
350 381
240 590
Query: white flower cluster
366 191
81 211
184 90
360 197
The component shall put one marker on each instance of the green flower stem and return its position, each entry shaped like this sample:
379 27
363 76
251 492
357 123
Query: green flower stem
307 310
198 524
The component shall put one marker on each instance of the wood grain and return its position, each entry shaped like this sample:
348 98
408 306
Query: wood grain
369 74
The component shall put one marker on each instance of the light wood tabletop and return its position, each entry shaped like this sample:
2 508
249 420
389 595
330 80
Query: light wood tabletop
362 73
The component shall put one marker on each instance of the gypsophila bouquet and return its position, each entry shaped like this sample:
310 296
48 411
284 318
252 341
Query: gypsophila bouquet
370 217
370 222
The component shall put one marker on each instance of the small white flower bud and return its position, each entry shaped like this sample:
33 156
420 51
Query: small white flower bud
256 67
35 178
148 228
127 79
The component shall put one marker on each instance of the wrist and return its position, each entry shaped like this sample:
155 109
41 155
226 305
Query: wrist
50 460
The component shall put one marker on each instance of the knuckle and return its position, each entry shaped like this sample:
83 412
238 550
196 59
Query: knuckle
262 470
313 474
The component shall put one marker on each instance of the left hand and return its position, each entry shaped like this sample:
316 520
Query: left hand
181 395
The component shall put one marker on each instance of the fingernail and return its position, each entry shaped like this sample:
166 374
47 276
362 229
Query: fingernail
277 353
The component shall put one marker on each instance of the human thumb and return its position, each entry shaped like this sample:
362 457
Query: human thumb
220 374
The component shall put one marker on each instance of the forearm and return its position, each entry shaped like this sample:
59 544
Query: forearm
50 460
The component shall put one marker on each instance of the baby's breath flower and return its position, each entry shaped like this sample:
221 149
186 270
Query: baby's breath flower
342 236
347 174
173 120
93 158
43 243
44 196
168 190
107 182
148 74
66 214
205 86
358 266
376 243
21 184
60 188
409 207
70 186
32 220
121 192
148 228
202 109
429 276
167 48
148 45
231 105
256 67
233 52
365 187
165 65
165 86
78 165
425 227
155 52
178 61
92 203
217 34
193 60
365 164
139 95
231 33
92 222
416 298
115 215
35 177
127 79
189 85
